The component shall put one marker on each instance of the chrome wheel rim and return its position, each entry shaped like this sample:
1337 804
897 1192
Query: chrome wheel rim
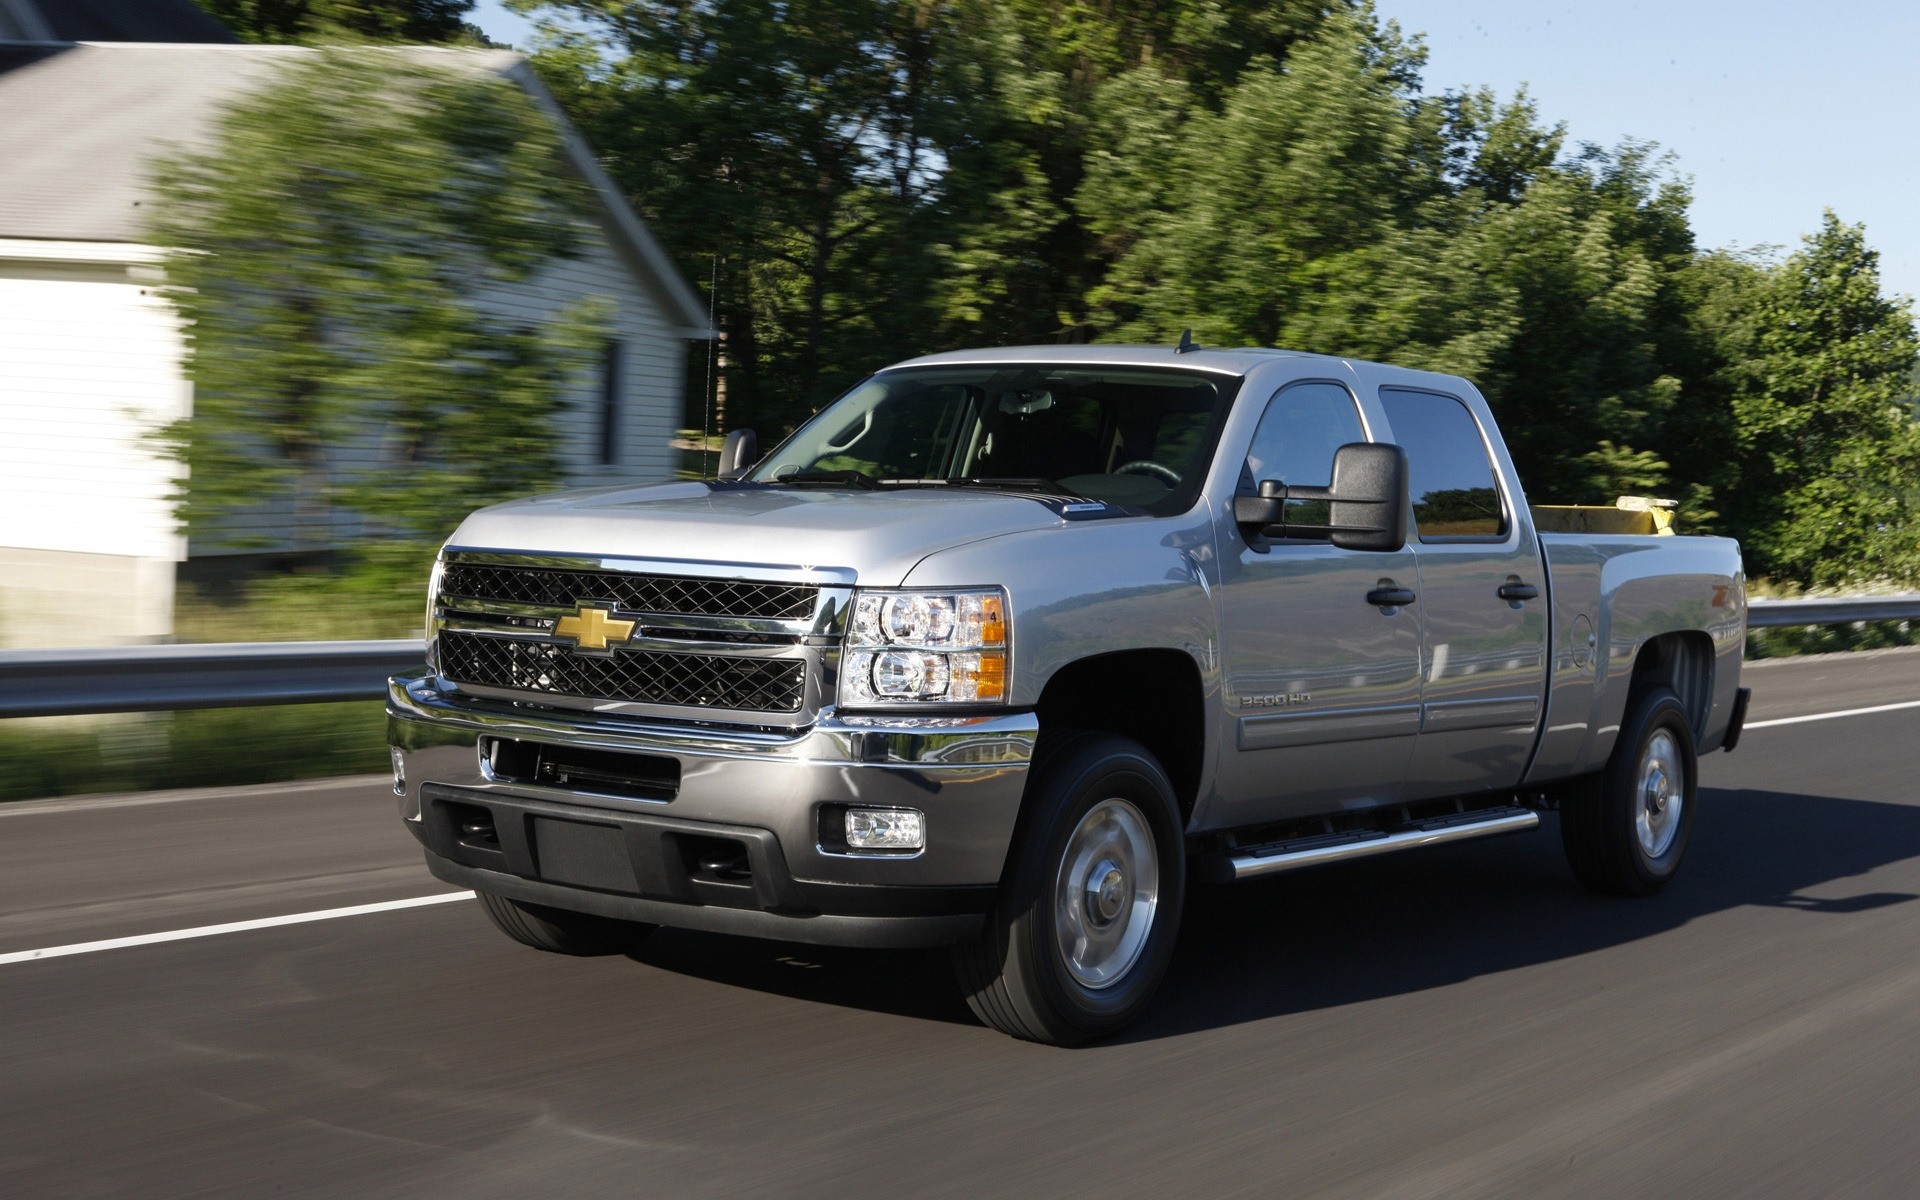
1106 894
1661 795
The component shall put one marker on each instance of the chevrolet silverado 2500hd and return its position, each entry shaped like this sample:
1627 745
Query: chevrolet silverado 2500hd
1000 648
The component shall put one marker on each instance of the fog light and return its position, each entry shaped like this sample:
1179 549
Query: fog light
399 771
886 829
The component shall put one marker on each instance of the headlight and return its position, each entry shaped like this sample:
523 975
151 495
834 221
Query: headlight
938 647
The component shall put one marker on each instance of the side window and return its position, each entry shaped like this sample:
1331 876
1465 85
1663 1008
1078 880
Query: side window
1452 480
1302 427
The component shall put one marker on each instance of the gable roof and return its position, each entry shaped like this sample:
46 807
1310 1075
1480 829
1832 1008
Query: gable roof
92 116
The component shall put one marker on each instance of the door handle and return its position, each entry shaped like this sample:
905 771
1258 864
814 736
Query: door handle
1518 591
1389 597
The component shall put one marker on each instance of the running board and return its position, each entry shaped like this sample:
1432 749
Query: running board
1249 862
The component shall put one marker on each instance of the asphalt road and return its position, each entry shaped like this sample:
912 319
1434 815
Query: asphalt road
1453 1022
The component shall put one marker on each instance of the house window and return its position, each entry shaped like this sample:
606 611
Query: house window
610 404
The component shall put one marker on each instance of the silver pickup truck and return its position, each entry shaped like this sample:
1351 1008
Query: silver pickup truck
1001 648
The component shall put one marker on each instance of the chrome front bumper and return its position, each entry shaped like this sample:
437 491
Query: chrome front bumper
765 789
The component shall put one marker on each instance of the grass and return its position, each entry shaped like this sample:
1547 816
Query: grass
60 756
377 597
1831 639
696 454
382 594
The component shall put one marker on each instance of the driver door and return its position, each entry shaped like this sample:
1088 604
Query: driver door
1322 686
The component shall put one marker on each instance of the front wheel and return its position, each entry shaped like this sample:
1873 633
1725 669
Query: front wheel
1090 904
1626 828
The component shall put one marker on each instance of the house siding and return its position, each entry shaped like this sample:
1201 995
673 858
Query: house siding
652 374
90 356
89 366
653 360
88 369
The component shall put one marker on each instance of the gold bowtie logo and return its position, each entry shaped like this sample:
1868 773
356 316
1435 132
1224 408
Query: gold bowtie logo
593 628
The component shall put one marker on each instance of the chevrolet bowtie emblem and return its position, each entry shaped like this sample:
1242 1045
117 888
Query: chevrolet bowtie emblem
593 628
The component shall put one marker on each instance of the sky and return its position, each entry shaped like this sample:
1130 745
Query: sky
1775 111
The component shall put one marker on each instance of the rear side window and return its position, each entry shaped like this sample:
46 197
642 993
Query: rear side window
1455 495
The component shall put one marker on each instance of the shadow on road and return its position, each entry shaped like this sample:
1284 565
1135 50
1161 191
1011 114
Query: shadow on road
908 983
1344 934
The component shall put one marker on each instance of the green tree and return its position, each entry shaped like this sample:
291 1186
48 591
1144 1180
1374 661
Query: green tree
334 20
857 181
785 151
1828 447
1306 168
1594 370
334 256
1084 106
1558 284
861 181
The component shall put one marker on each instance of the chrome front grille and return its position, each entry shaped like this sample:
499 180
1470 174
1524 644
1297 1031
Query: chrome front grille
636 676
735 649
633 592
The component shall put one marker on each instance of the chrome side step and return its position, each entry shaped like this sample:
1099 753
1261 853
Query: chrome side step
1249 862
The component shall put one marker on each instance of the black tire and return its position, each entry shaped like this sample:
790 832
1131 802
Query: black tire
559 931
1095 805
1617 826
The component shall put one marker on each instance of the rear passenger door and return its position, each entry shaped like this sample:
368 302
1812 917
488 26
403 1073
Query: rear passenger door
1482 602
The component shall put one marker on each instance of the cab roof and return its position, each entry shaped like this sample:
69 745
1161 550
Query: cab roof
1225 362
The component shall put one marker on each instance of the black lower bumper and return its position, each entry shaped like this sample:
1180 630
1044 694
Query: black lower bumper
668 871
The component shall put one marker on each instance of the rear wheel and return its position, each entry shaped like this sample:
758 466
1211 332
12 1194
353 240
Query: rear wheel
1626 828
560 931
1091 901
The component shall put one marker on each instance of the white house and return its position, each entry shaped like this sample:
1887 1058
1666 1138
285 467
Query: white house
90 354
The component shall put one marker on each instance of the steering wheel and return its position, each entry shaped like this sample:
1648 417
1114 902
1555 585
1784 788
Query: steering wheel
1145 466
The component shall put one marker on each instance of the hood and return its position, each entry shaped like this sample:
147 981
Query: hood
878 535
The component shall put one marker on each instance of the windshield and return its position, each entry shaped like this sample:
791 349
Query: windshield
1125 435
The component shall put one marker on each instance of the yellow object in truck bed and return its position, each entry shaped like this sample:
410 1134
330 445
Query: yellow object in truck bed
1628 514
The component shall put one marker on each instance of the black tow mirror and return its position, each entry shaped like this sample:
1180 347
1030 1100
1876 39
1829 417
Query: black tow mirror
1366 502
738 453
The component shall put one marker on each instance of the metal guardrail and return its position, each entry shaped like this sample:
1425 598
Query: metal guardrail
1778 614
50 683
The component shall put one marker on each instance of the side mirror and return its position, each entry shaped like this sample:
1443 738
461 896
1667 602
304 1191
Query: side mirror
739 452
1366 502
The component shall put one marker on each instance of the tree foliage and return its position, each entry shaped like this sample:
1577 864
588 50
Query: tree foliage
332 255
334 20
861 181
1827 442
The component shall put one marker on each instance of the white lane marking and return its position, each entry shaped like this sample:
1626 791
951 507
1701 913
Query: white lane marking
177 935
1850 712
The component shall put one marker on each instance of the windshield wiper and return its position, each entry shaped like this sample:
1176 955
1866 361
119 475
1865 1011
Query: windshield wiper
859 479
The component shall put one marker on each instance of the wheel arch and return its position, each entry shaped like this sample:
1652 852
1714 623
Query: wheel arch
1154 696
1682 661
